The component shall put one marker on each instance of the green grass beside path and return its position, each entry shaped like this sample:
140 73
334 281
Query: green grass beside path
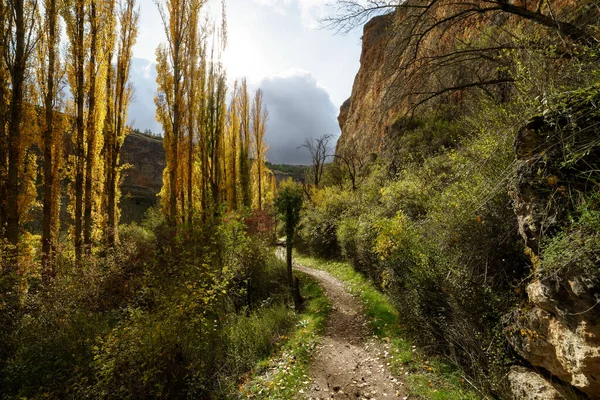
285 376
425 378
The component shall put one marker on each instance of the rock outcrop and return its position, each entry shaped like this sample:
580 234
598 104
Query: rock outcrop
546 174
400 68
142 181
529 385
558 330
361 117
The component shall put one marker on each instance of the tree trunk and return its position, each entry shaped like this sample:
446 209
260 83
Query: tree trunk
259 169
174 142
234 199
79 152
48 136
17 71
190 177
91 128
288 253
3 156
110 141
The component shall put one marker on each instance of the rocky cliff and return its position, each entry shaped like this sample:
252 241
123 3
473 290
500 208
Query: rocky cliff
558 330
144 158
401 67
362 118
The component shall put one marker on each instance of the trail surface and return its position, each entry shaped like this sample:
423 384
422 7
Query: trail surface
348 363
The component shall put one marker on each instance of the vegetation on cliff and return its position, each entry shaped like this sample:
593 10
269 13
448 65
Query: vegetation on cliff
437 220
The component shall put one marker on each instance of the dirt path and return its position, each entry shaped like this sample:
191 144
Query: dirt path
347 363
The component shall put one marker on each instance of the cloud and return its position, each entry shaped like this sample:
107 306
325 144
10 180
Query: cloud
312 11
278 6
298 109
142 109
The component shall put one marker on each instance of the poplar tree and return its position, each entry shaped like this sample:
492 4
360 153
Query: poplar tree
215 129
259 117
74 14
49 75
243 107
18 44
177 19
4 103
233 139
91 138
119 97
192 55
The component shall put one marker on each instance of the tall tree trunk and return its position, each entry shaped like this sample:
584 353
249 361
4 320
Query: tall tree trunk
182 173
79 151
234 199
3 153
17 71
91 130
204 163
4 95
259 169
174 143
110 144
190 171
48 137
288 252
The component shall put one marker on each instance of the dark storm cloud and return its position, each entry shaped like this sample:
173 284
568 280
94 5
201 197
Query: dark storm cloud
298 109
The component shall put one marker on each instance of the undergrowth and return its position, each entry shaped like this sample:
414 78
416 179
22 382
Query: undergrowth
426 378
286 375
160 316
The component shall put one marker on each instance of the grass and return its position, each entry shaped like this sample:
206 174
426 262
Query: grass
425 378
285 376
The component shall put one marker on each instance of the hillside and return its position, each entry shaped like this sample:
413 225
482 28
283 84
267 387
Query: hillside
487 167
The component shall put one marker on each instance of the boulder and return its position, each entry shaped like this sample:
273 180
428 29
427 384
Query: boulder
527 384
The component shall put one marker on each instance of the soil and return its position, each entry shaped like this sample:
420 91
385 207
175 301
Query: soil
348 363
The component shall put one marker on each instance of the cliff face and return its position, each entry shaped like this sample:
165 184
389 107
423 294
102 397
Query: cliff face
143 179
400 68
361 117
389 81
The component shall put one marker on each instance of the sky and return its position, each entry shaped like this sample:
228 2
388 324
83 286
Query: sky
306 72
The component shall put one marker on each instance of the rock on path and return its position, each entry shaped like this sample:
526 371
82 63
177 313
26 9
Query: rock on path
346 365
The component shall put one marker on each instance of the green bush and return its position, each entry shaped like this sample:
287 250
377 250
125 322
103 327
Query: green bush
150 318
320 222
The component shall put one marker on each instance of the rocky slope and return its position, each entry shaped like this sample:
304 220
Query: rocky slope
556 331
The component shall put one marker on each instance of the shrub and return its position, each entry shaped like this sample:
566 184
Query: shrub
320 222
149 320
